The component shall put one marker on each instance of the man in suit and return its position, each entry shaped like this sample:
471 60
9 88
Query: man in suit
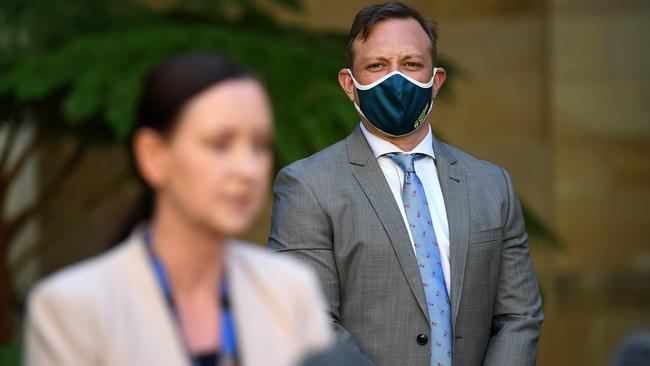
421 248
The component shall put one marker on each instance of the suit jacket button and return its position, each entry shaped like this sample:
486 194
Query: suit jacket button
422 339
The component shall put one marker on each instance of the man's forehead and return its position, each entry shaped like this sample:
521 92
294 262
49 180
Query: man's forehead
407 33
394 27
374 54
377 50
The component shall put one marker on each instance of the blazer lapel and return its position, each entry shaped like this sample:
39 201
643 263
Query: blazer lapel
454 190
150 310
243 300
265 326
256 316
371 179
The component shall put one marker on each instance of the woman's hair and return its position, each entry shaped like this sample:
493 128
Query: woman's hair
169 85
167 88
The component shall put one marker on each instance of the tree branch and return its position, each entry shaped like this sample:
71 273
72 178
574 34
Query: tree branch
56 230
48 193
22 159
6 149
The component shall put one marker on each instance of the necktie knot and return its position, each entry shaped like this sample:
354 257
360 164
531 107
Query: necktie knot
406 162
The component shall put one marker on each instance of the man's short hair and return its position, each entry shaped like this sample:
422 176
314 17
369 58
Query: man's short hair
366 20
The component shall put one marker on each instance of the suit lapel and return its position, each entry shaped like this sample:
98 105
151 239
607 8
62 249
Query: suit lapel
373 183
454 190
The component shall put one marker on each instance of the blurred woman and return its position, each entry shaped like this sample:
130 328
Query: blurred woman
180 290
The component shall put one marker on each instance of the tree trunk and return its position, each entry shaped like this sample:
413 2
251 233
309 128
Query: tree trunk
6 291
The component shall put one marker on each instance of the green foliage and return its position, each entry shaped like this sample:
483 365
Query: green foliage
84 63
38 25
97 78
9 355
89 68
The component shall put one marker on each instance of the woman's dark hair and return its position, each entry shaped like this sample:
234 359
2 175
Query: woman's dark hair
167 88
367 19
169 85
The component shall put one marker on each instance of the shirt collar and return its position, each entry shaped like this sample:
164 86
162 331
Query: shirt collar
381 147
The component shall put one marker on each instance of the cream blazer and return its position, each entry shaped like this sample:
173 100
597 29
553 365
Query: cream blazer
109 310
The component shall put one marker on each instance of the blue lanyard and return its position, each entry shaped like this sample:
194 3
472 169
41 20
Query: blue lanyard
228 353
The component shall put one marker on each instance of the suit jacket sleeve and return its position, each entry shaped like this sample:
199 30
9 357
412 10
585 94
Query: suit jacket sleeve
56 329
301 228
517 314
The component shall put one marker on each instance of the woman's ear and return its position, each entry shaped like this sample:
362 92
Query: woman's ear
151 156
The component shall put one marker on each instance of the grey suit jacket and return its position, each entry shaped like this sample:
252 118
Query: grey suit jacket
335 211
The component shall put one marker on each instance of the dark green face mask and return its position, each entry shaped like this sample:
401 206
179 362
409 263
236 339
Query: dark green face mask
395 104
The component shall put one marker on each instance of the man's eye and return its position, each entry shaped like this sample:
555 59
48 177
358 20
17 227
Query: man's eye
413 65
376 66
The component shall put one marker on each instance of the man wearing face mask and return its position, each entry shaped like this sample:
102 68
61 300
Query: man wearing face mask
421 248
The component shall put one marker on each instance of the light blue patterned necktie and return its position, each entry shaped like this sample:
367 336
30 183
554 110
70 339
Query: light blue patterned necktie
428 257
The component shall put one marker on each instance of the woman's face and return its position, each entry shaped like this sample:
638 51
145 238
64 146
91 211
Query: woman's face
218 159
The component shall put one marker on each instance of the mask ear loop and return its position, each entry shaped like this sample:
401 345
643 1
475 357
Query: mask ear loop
356 85
433 98
433 80
433 90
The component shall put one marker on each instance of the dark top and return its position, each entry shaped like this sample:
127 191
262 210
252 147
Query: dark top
205 359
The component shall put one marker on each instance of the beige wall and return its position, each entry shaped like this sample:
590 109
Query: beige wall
600 88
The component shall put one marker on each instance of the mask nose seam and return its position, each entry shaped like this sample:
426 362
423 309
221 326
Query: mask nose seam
379 81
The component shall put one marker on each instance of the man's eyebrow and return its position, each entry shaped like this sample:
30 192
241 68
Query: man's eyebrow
373 57
383 58
414 55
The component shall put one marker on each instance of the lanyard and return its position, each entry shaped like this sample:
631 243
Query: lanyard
228 353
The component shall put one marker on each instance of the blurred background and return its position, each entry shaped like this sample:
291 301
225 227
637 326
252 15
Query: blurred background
557 92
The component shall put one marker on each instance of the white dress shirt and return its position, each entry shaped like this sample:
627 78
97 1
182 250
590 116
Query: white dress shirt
426 170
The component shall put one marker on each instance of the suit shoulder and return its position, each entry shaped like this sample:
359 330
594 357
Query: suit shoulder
483 176
330 157
473 164
283 267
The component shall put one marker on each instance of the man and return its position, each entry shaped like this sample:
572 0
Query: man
421 248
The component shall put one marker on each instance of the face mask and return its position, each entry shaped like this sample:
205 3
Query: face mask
395 104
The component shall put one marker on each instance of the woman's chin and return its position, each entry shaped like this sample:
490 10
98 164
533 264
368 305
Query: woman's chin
233 227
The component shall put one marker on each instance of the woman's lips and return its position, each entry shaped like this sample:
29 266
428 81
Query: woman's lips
238 202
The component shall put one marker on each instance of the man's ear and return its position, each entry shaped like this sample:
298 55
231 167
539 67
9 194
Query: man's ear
150 152
345 80
438 80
